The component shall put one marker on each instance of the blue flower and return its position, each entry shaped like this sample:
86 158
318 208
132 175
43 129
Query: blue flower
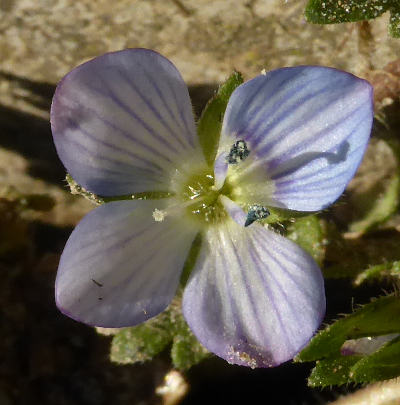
291 138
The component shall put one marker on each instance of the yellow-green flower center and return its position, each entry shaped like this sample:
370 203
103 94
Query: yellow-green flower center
200 198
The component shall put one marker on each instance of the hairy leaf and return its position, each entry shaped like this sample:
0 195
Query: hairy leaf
381 365
340 11
332 371
379 317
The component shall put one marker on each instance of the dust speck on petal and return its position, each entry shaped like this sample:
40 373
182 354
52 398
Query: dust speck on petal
159 215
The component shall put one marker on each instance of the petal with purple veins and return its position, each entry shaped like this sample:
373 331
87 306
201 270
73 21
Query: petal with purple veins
120 267
307 129
122 122
234 210
220 170
254 297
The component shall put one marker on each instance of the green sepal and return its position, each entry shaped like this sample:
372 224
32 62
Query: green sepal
186 350
76 188
309 233
141 343
340 11
379 317
169 329
332 371
381 365
394 23
282 215
210 123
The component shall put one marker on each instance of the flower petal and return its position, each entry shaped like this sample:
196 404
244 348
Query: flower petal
234 210
220 170
307 127
121 122
121 267
254 298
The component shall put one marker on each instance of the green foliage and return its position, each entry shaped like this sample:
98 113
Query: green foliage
334 371
309 233
381 365
380 317
77 189
186 349
210 123
385 270
340 11
383 199
394 24
141 343
383 207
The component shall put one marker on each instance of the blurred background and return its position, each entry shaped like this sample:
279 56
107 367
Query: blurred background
46 358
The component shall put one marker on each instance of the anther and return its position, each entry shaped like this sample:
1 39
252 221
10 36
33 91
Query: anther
238 152
256 212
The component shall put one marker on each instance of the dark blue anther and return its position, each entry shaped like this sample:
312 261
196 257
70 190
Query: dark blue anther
255 213
238 152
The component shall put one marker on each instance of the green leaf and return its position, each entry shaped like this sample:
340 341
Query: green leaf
332 371
141 343
210 123
391 269
394 23
340 11
383 208
76 188
379 317
187 351
381 365
310 235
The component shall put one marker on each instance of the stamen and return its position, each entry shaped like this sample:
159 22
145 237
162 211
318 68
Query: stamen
238 153
256 212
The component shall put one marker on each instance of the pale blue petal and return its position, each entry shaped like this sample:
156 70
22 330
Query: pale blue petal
123 121
220 170
120 267
234 210
254 297
306 126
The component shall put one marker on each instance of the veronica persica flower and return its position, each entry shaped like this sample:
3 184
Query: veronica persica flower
291 138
